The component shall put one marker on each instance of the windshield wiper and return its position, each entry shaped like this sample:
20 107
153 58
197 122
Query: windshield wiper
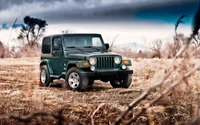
74 48
70 47
92 47
88 46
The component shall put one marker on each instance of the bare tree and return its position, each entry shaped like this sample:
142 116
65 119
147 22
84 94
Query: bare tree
113 42
176 45
156 48
32 31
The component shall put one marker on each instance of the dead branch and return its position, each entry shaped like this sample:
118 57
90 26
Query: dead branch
196 119
178 22
129 91
156 45
95 111
139 99
113 40
163 93
145 94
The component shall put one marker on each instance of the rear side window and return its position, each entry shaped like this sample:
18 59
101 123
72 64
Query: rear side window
46 46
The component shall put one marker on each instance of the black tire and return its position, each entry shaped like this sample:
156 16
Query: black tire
91 82
122 81
75 81
45 78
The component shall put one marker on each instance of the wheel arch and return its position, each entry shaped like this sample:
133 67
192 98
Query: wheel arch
47 63
70 65
77 64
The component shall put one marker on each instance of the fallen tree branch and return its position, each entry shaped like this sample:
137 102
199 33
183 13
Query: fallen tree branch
196 117
129 91
139 99
95 111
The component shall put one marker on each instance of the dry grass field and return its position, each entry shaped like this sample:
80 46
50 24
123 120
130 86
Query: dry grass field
101 104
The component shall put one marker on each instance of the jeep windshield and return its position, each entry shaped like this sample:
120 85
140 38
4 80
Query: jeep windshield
83 43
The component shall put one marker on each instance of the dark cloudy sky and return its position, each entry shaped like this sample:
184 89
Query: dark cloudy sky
134 19
56 11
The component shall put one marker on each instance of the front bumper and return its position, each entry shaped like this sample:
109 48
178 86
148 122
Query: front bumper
106 73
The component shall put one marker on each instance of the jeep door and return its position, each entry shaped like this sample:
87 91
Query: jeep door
57 55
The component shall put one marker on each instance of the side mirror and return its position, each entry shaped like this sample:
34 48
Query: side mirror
56 47
107 46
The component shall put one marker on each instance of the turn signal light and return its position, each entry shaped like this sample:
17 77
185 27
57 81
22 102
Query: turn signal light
85 64
77 64
126 62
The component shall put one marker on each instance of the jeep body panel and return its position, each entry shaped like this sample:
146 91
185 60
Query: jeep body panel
47 62
59 61
101 73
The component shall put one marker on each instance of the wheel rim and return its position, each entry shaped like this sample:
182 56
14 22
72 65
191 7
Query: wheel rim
118 81
43 76
74 80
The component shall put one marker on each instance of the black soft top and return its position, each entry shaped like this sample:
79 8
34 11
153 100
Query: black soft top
75 34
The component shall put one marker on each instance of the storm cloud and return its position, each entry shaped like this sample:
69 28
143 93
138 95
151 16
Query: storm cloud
58 11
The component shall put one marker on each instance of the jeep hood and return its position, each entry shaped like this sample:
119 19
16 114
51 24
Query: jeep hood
86 55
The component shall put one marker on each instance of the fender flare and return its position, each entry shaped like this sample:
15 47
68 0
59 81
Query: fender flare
70 63
47 62
80 66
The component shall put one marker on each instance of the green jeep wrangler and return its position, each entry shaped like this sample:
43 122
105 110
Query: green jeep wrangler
80 59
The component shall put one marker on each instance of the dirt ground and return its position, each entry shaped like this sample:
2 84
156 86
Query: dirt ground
21 94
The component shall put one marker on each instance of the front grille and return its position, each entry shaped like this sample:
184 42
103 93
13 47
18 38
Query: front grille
105 62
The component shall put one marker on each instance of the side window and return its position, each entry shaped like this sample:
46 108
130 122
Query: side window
46 46
57 42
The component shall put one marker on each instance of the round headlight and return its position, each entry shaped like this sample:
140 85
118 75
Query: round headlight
123 66
92 61
117 60
92 68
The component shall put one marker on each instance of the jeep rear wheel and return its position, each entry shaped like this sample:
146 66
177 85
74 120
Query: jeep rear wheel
122 81
75 81
45 78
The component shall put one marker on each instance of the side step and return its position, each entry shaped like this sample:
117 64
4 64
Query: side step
56 76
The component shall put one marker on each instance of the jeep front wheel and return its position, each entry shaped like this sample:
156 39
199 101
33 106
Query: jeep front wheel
75 81
121 82
45 78
91 82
